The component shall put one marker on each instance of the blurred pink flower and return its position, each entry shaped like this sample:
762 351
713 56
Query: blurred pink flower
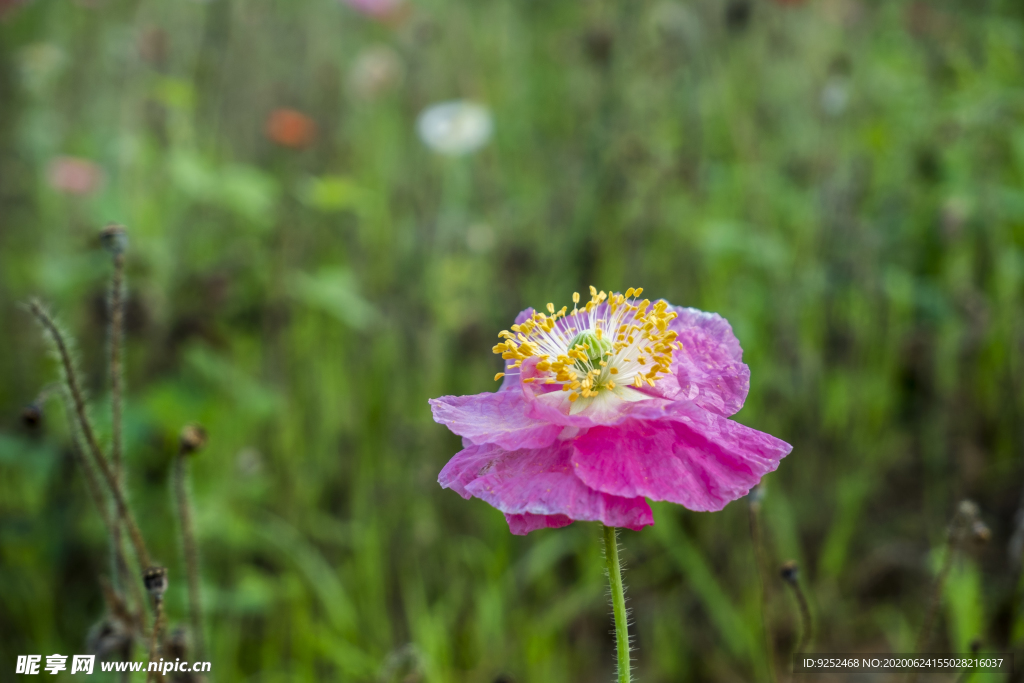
604 407
7 6
74 175
384 10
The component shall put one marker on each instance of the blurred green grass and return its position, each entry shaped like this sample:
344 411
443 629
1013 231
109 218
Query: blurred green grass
842 180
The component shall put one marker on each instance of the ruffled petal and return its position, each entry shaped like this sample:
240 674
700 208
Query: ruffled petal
709 369
542 482
520 525
696 459
467 465
500 418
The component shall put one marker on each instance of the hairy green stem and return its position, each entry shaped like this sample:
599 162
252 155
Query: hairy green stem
85 426
611 558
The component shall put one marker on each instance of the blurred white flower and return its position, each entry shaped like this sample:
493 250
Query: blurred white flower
480 238
835 96
249 462
455 128
376 70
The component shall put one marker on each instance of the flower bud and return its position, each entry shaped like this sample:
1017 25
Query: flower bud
790 572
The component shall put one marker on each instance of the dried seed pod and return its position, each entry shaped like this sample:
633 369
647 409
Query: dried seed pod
32 415
114 238
155 581
193 438
790 572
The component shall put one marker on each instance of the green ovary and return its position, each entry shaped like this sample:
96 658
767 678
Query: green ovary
596 348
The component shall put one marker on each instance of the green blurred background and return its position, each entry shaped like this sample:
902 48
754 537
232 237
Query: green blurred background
840 179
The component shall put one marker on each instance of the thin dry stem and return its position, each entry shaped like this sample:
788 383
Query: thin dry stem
116 334
755 537
78 402
190 549
158 623
116 390
806 625
965 514
101 503
954 539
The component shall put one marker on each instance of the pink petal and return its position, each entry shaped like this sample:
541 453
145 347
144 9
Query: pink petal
500 418
542 482
467 465
696 459
520 525
709 370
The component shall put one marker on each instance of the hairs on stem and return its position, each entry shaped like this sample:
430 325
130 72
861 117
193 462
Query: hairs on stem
74 389
155 579
115 337
101 502
755 537
192 440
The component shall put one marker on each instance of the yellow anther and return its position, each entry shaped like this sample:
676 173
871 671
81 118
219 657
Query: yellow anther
629 325
573 397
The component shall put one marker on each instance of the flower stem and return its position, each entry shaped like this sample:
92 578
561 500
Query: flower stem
611 558
190 551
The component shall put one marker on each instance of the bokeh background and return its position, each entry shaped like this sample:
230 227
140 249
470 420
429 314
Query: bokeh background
840 179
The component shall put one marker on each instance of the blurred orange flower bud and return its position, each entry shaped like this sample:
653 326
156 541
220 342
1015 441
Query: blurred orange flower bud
290 128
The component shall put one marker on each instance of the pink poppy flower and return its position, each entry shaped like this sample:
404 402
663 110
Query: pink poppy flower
382 10
604 407
75 176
